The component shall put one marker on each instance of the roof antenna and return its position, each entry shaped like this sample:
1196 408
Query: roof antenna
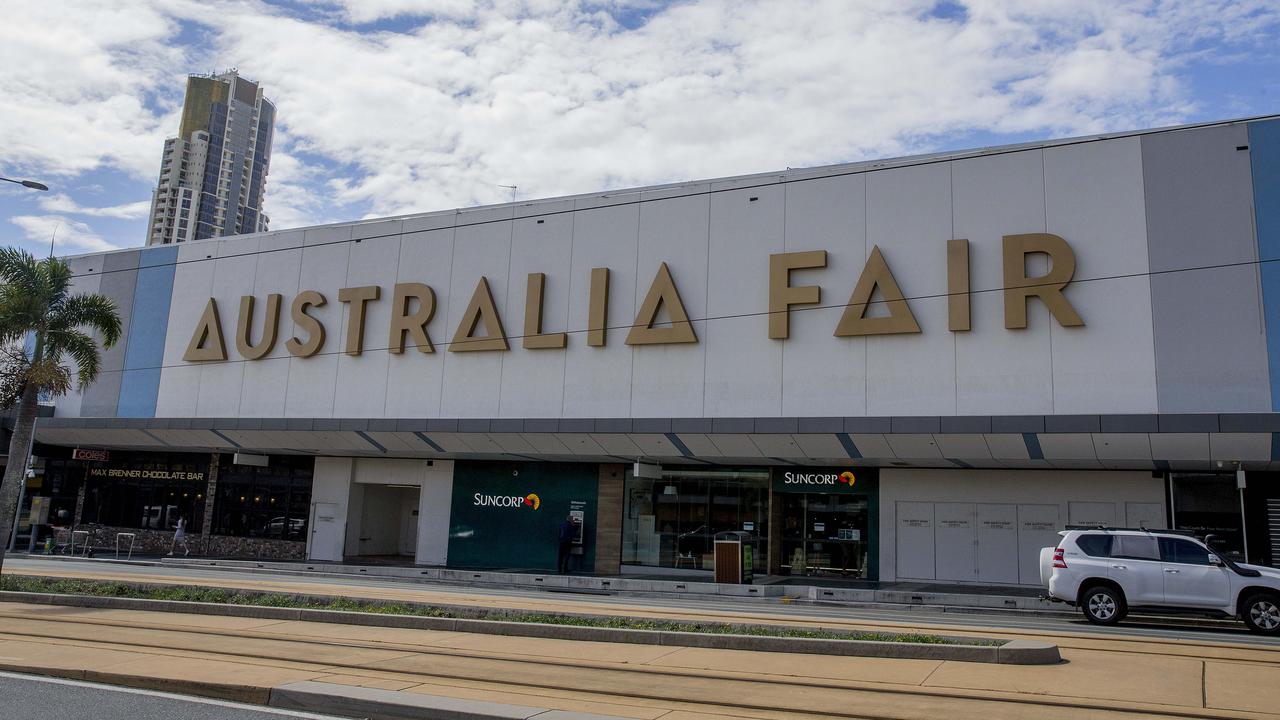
54 237
512 188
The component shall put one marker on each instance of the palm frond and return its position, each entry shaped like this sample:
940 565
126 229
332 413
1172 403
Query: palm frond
80 347
92 310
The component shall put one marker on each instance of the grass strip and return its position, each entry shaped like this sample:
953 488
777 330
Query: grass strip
192 593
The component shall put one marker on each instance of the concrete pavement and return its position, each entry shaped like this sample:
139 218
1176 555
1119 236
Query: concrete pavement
71 700
243 659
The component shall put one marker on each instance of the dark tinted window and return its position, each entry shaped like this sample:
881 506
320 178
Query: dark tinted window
1095 545
1135 547
1175 550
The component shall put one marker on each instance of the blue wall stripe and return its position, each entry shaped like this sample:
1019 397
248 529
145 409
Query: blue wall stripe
1264 159
144 353
849 447
1033 446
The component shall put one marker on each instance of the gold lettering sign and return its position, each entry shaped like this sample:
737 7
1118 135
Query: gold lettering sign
356 299
480 310
413 323
1019 289
782 295
598 312
855 322
206 342
414 307
307 324
244 329
957 285
662 294
534 338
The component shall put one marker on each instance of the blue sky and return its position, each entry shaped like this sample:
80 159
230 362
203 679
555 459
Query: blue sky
396 106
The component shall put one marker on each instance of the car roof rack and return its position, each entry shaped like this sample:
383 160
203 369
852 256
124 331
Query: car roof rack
1167 531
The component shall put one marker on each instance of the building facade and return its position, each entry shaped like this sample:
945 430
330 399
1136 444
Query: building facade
213 174
912 369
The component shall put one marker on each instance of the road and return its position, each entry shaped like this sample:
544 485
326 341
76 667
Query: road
712 608
74 700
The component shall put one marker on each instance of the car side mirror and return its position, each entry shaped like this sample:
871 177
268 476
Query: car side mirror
1215 561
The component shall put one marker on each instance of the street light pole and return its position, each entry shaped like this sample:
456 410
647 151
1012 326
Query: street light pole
27 183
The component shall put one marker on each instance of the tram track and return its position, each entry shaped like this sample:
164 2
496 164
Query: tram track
284 644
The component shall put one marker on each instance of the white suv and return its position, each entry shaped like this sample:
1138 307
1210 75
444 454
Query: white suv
1107 572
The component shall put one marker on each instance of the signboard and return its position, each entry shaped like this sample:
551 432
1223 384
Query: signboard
825 480
90 454
101 472
508 515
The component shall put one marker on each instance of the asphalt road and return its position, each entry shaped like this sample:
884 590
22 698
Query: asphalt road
73 700
1184 629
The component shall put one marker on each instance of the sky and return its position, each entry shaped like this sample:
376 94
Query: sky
390 107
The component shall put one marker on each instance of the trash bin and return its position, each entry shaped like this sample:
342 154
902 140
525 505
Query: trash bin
733 557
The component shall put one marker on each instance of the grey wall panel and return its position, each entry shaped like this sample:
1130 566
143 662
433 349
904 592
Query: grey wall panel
101 397
1211 352
119 280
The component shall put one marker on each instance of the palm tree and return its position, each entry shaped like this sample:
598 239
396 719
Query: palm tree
38 309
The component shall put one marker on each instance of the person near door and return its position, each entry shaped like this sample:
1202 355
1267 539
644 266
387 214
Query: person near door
568 532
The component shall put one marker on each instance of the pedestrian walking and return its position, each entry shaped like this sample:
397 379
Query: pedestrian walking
568 533
180 536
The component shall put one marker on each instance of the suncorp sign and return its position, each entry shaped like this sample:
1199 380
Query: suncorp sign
818 479
508 501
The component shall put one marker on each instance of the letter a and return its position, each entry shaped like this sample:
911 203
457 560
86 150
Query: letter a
206 343
662 293
876 274
480 310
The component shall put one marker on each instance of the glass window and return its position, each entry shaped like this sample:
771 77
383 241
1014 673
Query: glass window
1209 504
146 490
272 502
1135 547
1095 545
1175 550
672 522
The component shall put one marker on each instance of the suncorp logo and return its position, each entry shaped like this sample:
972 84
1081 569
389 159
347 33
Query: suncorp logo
844 478
509 501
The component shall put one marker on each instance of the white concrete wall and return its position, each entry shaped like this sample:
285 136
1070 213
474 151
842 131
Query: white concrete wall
716 238
1078 495
433 514
331 485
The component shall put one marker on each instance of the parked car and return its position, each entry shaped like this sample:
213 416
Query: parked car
1108 572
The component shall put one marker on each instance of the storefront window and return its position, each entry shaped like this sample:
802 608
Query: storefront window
270 502
672 522
1209 504
825 534
146 490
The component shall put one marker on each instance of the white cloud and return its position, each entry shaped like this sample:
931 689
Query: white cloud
69 236
62 203
555 97
77 84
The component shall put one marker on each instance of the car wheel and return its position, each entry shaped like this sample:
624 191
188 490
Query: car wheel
1103 605
1262 613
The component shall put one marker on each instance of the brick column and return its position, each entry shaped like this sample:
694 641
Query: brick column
609 520
210 491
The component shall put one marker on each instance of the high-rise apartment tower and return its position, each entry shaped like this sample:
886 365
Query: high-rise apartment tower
213 175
